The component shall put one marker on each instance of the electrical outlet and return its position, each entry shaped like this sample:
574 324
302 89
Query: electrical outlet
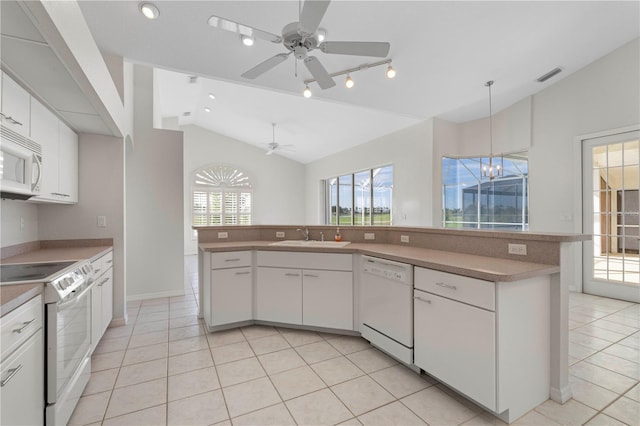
279 234
404 238
369 236
519 249
102 222
222 235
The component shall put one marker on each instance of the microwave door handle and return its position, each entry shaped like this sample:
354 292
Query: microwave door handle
37 163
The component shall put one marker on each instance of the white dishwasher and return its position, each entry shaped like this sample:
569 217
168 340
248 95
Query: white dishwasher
386 306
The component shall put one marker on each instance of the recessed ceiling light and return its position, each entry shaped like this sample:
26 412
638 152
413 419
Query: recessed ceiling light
207 109
149 10
247 40
212 96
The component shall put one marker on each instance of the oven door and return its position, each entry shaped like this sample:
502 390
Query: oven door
68 340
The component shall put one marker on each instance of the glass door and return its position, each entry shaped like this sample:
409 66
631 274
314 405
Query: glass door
611 180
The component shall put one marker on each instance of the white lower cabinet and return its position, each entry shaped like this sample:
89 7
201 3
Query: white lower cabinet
228 292
22 366
327 299
279 295
101 297
489 341
231 295
455 342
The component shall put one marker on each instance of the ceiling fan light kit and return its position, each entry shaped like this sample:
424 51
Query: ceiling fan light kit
300 39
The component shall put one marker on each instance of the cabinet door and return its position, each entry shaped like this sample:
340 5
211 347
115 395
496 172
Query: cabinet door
231 295
279 295
327 299
22 390
456 343
44 130
96 316
68 164
15 106
107 300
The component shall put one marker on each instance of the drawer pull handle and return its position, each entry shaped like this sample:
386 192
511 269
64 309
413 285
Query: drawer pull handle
232 260
243 273
311 275
12 372
452 287
103 281
291 275
421 299
110 261
95 271
24 325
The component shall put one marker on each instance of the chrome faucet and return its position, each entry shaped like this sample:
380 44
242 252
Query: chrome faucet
305 233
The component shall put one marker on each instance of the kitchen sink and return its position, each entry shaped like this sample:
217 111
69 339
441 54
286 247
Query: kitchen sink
310 243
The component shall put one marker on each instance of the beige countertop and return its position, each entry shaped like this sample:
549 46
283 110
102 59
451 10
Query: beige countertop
481 267
13 295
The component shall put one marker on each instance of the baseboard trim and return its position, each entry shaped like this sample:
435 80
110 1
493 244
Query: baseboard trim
160 294
560 395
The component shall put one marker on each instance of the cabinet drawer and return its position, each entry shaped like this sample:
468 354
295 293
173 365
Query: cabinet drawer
325 261
464 289
19 324
232 259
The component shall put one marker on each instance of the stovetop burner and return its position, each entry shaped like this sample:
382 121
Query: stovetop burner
30 271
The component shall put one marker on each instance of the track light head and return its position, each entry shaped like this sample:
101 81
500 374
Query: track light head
306 92
247 40
349 82
391 72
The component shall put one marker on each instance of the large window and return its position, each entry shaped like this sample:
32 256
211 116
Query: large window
361 198
473 201
221 195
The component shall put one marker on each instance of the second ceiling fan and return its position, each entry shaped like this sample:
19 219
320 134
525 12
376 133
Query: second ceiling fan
300 38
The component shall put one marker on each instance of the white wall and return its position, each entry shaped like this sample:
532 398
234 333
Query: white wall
100 192
278 183
12 213
603 95
154 201
411 153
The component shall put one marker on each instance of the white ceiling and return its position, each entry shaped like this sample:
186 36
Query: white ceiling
443 52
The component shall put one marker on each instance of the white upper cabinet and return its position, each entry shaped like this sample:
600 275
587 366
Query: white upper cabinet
68 164
59 156
15 106
44 130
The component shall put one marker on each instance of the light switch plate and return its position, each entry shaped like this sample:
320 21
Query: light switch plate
102 221
223 235
369 236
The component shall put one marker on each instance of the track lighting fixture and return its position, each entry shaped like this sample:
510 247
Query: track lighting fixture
391 72
247 40
349 83
149 10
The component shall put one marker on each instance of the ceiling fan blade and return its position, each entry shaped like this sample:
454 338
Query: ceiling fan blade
312 13
235 27
359 48
318 72
265 66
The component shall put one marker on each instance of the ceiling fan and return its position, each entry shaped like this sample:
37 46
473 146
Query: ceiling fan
273 145
300 38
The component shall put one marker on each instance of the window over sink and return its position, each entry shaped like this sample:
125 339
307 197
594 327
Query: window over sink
221 195
360 198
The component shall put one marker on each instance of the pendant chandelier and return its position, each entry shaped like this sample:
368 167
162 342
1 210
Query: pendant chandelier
495 167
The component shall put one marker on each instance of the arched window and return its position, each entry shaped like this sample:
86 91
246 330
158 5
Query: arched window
221 195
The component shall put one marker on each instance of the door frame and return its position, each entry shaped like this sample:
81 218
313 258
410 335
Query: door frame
579 175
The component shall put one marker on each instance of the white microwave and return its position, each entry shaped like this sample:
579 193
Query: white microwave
20 166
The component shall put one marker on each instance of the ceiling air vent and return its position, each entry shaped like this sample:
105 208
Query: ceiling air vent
548 75
193 79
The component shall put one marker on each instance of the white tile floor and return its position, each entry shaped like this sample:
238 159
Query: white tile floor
163 369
